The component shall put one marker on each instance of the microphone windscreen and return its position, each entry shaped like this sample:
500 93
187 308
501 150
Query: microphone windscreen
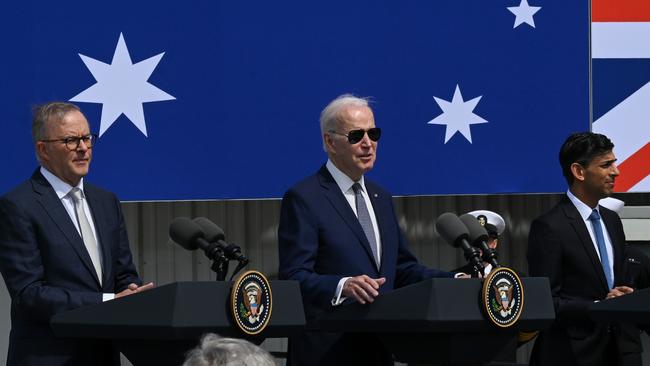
185 233
476 231
451 228
213 233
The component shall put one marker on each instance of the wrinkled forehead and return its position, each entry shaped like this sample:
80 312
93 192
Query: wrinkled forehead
71 123
354 117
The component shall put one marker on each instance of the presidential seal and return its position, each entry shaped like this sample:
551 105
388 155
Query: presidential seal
251 301
503 297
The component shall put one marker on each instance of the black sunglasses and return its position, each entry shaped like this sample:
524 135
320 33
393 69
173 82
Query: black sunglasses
355 136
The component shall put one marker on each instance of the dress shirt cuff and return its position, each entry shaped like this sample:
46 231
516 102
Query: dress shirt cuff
456 275
337 299
107 297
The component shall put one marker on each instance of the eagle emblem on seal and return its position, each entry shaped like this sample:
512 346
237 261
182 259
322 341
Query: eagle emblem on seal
252 296
503 293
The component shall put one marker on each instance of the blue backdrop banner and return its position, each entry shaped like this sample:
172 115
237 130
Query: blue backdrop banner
221 99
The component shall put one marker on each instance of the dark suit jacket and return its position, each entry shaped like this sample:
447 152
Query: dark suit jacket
321 241
47 270
560 248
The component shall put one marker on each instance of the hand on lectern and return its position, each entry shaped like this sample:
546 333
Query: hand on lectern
619 291
362 288
134 289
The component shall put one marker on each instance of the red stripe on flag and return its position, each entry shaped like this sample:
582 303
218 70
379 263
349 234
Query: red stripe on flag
620 11
634 169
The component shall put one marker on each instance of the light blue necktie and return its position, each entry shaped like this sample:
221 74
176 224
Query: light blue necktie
600 240
364 220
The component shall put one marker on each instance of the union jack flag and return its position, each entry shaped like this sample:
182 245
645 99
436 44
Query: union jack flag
621 85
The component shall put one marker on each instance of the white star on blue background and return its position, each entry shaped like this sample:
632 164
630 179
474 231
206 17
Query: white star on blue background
457 115
524 13
122 87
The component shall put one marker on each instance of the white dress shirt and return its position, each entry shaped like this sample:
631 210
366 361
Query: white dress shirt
345 183
585 212
62 189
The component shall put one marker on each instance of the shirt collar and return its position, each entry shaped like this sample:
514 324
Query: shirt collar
583 209
344 182
60 187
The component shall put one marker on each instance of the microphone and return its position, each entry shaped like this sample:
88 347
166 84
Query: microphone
455 233
189 235
479 237
214 234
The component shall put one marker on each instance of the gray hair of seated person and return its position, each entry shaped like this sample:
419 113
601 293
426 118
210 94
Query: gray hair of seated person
214 350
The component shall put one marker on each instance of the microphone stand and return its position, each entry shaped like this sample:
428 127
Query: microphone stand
243 261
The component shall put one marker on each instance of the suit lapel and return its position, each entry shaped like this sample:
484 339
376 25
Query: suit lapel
341 205
51 204
98 217
580 228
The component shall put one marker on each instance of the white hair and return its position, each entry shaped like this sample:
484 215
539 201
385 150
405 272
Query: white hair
329 117
214 350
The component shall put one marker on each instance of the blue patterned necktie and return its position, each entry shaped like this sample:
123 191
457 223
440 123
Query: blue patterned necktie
600 240
364 220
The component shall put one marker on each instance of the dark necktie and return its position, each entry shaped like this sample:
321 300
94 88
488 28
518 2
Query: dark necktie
364 220
600 240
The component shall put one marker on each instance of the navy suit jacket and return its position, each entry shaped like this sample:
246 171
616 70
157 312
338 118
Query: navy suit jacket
48 270
321 241
560 248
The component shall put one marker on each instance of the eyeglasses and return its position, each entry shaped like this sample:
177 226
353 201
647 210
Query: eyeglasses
355 136
72 142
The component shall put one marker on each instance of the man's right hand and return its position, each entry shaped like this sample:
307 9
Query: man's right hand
134 289
362 288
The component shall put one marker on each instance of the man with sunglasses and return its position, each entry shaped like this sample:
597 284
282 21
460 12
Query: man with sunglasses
63 244
339 237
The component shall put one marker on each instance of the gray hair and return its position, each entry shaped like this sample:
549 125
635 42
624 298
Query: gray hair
329 117
214 350
53 111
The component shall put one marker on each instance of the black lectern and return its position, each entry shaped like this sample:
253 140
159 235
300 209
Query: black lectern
157 327
633 308
440 321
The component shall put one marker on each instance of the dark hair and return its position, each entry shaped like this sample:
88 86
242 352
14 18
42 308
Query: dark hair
582 148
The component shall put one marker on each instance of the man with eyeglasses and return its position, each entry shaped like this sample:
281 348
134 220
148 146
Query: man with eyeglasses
63 244
339 237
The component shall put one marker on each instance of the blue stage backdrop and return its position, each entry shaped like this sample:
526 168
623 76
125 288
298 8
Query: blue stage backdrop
221 99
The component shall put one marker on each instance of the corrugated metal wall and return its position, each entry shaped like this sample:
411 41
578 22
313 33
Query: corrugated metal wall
253 225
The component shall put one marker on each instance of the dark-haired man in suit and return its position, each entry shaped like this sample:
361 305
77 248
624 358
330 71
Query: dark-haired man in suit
63 244
580 247
340 239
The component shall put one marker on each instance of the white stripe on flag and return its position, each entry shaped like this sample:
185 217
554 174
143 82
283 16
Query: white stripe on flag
620 40
627 124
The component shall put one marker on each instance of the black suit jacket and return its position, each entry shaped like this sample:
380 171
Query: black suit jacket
48 270
320 242
560 248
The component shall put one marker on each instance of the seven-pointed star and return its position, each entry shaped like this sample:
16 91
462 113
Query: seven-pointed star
524 13
457 115
122 87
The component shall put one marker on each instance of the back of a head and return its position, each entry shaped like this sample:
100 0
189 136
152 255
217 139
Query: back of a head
582 148
215 350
